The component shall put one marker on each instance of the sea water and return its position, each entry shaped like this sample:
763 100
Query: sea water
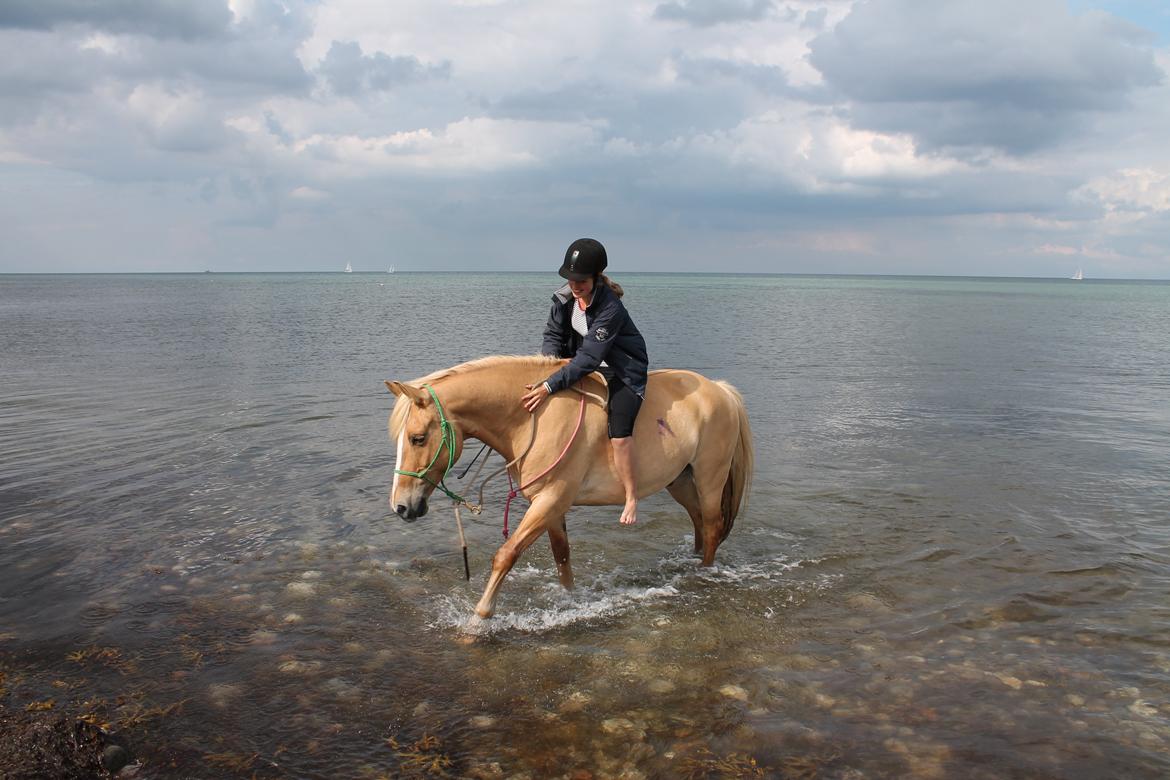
954 562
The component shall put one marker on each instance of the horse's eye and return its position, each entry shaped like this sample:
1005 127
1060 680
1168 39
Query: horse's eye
418 439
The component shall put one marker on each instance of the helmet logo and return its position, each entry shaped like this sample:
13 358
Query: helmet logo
575 253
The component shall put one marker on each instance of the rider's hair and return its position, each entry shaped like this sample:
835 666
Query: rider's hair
611 284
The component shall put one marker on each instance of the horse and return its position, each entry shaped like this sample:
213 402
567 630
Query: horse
691 437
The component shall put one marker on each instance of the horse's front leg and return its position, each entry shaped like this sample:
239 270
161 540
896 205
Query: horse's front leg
558 537
536 521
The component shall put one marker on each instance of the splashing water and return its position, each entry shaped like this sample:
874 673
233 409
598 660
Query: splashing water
611 594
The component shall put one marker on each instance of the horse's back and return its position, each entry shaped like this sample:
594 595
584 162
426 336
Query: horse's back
701 412
684 390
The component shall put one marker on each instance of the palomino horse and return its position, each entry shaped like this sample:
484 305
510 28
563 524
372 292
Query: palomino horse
691 437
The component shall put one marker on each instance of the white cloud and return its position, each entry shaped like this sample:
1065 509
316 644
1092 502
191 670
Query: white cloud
818 152
308 194
1132 192
103 42
469 146
1056 249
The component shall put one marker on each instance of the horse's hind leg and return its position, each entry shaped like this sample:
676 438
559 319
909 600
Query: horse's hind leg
558 537
709 487
712 527
683 491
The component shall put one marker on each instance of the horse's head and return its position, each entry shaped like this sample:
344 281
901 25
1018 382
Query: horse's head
428 446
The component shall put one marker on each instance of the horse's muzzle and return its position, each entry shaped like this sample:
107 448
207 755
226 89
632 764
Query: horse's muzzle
412 511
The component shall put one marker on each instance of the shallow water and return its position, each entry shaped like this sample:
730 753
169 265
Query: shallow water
954 562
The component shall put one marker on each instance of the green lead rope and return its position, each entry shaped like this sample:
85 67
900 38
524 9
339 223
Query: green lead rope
447 432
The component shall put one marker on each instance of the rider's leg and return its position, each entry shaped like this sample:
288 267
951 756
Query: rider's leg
623 409
623 459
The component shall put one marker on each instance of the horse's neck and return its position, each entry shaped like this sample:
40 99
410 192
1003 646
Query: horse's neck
488 408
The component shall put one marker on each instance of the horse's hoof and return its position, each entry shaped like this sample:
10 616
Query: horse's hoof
472 630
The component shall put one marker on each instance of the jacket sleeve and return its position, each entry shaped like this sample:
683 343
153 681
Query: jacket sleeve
596 345
554 332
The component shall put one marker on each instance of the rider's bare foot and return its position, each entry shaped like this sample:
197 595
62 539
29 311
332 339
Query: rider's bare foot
630 512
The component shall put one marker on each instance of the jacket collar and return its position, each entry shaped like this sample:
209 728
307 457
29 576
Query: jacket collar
565 295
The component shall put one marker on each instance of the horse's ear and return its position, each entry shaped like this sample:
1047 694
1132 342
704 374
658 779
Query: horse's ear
401 389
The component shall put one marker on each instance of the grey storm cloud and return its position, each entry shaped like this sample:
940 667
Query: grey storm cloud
241 64
350 72
644 115
769 80
256 55
708 13
162 18
998 73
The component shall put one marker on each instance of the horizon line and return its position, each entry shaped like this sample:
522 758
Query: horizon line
549 273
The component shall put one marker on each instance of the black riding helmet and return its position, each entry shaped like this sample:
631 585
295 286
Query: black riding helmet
584 259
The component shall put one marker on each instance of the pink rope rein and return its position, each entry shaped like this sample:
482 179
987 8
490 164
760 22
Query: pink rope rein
514 491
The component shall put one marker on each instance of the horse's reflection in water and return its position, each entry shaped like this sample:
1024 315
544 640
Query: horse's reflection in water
692 437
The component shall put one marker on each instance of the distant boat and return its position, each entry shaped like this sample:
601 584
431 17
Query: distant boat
391 270
348 268
1078 276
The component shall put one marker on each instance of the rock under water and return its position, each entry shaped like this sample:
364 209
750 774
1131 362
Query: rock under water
40 745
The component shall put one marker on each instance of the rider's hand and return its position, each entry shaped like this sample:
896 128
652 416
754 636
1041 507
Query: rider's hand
534 397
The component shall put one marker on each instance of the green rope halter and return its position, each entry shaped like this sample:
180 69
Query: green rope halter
447 434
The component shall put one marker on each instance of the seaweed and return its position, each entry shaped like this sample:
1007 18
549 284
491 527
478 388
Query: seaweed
421 758
706 765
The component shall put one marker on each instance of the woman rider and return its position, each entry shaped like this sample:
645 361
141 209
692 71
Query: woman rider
589 324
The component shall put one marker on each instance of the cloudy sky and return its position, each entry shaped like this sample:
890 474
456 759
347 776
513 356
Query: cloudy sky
996 137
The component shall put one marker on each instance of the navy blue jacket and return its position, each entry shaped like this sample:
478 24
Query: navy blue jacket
611 337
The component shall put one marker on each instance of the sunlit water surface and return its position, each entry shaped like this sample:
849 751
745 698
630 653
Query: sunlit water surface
954 562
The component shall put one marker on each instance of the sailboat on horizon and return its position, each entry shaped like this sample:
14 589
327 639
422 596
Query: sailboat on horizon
348 268
391 270
1078 276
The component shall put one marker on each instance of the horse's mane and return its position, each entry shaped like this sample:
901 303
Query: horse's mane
402 404
491 361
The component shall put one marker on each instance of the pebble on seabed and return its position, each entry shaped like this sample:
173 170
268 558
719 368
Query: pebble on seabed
262 637
482 721
341 688
293 666
660 686
301 588
623 726
221 694
1143 708
575 702
734 692
867 603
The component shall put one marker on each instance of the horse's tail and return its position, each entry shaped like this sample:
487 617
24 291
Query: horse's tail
743 461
